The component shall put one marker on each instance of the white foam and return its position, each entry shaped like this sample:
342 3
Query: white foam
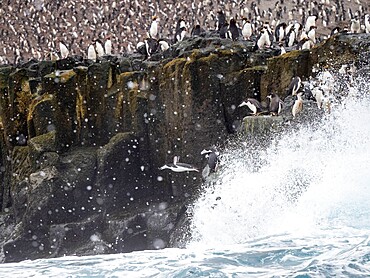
310 179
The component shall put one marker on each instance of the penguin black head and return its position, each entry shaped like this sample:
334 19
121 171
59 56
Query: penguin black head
335 31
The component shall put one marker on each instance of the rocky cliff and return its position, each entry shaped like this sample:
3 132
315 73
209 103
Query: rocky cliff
82 142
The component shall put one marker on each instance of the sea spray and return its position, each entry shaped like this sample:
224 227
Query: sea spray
309 178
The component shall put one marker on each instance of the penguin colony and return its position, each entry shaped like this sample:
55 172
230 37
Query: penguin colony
319 89
47 29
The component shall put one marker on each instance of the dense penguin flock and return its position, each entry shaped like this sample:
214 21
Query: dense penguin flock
48 29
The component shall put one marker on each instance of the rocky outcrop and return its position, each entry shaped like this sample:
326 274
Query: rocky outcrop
82 142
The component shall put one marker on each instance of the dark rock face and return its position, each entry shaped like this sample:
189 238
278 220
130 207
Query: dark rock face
82 142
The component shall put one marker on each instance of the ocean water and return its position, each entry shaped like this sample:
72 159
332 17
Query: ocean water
300 208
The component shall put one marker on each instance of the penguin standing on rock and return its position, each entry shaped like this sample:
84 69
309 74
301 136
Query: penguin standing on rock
151 46
180 34
298 105
297 28
275 104
282 49
180 31
140 47
311 21
305 43
263 40
312 34
280 32
91 53
233 32
108 46
223 30
196 31
99 48
221 20
355 25
148 47
64 52
267 27
294 85
290 38
247 29
154 27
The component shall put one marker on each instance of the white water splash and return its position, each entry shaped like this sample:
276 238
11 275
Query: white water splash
314 178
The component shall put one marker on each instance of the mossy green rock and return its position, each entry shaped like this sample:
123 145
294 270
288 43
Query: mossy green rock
281 70
342 49
262 126
41 115
62 86
40 145
4 76
98 77
21 169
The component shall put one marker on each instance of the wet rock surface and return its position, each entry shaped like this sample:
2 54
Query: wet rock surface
82 142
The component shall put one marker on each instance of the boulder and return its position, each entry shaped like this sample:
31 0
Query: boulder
54 195
262 127
41 149
121 176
